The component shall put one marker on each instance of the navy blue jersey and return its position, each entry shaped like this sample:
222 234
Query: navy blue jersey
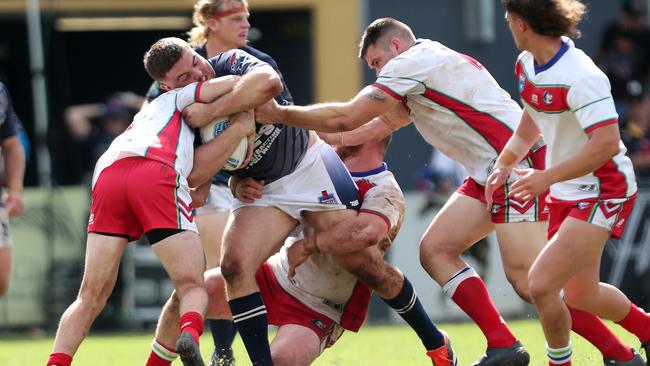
10 125
295 137
278 148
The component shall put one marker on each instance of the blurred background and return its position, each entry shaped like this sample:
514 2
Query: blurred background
74 70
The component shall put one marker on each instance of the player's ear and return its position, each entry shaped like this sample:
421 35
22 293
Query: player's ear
165 87
212 23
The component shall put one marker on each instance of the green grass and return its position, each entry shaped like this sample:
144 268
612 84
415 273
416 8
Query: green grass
372 346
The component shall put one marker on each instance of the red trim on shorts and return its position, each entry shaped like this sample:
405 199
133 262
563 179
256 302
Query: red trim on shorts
584 210
501 205
133 196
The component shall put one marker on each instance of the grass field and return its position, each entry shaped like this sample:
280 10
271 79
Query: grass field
373 346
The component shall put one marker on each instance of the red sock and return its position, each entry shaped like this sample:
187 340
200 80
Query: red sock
192 322
568 363
591 328
472 296
637 322
59 359
161 355
155 360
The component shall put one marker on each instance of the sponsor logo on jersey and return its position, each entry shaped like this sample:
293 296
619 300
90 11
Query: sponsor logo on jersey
522 82
495 209
588 188
534 99
327 198
91 219
547 98
620 222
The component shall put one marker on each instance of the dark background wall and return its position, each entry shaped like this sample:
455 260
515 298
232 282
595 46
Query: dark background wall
442 20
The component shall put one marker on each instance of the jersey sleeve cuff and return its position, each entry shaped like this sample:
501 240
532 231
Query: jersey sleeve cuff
197 92
601 124
380 215
388 91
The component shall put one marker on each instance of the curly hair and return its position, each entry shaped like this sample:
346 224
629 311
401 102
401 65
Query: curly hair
204 9
553 18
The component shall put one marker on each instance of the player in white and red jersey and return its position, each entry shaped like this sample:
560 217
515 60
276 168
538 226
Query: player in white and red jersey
568 100
139 188
460 109
322 298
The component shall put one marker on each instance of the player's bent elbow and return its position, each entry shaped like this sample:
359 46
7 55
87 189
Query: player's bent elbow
272 87
370 234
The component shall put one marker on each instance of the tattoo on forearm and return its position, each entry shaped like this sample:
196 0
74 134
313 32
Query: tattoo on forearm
377 95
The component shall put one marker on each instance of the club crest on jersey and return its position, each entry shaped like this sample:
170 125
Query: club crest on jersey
547 98
522 82
327 198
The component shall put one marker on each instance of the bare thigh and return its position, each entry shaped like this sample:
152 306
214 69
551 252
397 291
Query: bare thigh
459 224
211 227
576 247
103 256
295 345
253 234
520 244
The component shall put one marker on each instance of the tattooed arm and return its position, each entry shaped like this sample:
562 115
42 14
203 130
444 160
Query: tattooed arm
371 102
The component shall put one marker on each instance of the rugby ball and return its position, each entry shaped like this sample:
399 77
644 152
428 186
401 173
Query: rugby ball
213 129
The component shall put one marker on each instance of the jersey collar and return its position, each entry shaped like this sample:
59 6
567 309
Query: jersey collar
382 168
558 55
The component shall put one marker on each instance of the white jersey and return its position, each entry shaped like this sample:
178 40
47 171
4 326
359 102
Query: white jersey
321 282
568 98
158 132
454 102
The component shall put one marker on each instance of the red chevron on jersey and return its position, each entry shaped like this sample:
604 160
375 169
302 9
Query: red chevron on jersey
543 98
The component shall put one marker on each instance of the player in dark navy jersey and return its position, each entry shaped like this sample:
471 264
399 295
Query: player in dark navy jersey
14 170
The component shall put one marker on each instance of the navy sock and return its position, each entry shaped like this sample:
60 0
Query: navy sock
249 315
409 307
223 334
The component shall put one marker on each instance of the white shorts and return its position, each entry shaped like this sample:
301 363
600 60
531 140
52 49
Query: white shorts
320 183
220 199
5 233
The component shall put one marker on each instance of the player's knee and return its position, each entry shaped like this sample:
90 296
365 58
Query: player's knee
231 270
214 284
579 299
519 282
538 288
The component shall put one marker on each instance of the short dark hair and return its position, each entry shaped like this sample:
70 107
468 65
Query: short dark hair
162 56
378 29
553 18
